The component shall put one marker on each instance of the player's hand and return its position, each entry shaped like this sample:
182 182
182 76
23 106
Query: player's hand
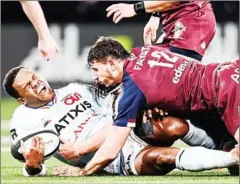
68 150
48 47
150 30
120 11
33 156
154 114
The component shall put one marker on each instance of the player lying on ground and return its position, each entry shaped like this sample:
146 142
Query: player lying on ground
154 76
46 43
43 107
188 26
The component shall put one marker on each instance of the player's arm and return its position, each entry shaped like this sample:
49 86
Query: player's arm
71 150
46 44
34 158
128 107
123 10
115 140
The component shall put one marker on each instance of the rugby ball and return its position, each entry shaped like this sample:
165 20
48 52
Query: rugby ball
50 139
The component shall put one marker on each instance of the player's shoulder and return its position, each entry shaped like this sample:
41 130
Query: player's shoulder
77 86
20 111
21 115
85 90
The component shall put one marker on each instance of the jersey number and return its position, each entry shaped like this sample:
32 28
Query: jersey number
235 77
160 54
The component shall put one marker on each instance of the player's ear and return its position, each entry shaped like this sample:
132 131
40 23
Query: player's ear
21 100
111 64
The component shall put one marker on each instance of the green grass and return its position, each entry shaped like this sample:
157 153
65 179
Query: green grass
11 169
11 172
8 105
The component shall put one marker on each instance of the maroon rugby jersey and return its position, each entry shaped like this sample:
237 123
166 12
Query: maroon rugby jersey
169 80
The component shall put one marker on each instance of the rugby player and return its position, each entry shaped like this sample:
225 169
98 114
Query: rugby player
187 26
43 107
46 43
154 76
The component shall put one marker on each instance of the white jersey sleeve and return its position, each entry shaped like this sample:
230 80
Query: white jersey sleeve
24 121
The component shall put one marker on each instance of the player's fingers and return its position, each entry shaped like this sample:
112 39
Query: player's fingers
149 113
41 145
34 142
153 35
111 7
46 55
116 15
112 11
37 143
147 39
119 18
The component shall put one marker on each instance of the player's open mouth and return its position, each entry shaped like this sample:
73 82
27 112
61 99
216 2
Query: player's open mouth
41 90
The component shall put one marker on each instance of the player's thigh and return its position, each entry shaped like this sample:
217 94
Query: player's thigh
156 160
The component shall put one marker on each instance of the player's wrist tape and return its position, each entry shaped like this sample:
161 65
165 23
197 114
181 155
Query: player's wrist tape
30 171
139 8
157 14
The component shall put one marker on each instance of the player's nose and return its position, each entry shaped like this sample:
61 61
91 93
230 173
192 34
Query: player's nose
35 83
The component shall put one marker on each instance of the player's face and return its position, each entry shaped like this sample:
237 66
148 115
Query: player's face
102 74
32 89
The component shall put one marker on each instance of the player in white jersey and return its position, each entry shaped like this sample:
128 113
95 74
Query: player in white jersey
75 111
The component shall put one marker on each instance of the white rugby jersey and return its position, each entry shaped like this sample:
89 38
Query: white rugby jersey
76 112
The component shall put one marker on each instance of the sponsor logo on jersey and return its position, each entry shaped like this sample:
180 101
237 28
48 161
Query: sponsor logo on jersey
71 115
179 71
178 30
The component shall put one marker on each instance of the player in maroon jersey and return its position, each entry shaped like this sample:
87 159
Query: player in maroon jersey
188 26
182 86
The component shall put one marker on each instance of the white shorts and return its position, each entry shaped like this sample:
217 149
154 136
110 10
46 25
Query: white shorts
124 164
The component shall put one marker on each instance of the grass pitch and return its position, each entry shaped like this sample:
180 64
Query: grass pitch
11 170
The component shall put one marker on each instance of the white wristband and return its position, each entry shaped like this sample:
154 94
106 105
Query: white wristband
42 173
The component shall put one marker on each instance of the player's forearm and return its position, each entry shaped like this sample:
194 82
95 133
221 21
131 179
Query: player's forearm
158 6
93 143
35 14
109 150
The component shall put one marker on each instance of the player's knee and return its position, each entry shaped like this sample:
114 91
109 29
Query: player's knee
176 128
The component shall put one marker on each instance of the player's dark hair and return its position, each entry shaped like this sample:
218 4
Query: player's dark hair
104 47
9 80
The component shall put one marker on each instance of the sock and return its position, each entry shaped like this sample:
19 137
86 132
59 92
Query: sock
198 137
199 159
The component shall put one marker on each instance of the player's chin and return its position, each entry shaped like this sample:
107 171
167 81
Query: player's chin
45 97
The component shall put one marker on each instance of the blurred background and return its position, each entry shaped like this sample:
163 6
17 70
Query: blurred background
76 24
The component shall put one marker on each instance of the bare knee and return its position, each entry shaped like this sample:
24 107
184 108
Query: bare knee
176 128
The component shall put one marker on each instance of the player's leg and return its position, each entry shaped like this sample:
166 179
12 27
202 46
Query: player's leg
161 160
156 160
199 159
164 130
